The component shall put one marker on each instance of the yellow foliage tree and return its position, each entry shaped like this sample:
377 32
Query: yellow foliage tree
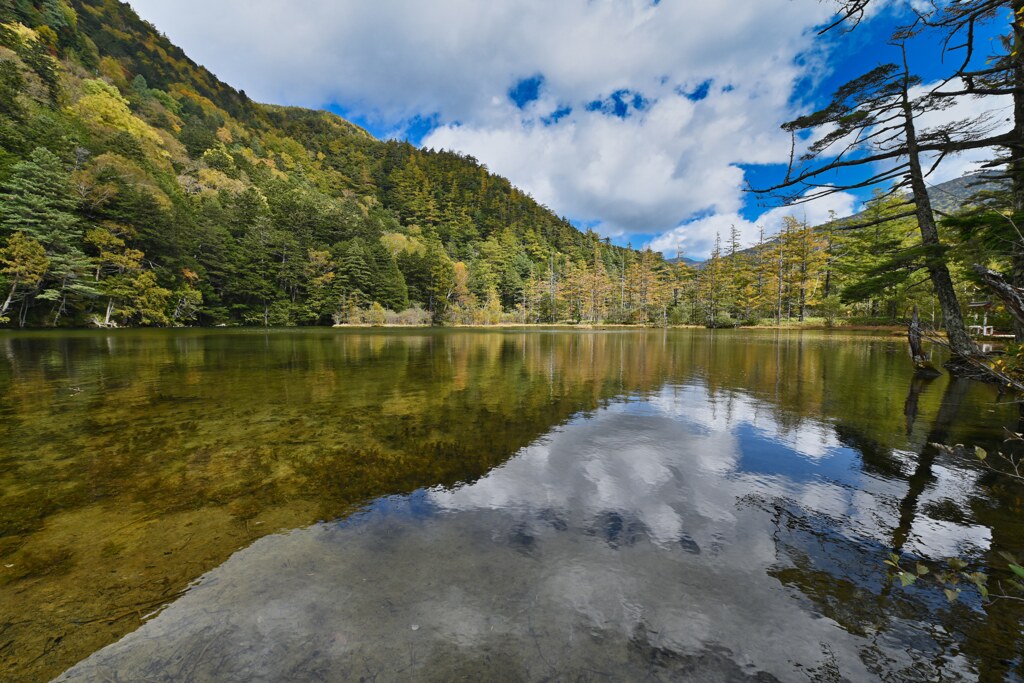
103 109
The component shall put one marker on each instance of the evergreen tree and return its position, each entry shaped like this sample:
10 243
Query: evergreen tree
321 296
356 275
388 285
441 281
36 201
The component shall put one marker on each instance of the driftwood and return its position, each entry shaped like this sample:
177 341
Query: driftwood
923 366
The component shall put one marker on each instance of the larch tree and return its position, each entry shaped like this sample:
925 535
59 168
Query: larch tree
871 127
711 283
978 68
23 263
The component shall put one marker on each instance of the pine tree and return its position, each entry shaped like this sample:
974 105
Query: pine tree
251 279
357 278
389 288
441 282
872 266
37 202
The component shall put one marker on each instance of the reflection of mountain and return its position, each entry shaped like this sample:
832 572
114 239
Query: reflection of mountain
674 533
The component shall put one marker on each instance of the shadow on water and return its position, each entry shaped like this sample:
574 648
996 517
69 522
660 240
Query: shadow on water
573 506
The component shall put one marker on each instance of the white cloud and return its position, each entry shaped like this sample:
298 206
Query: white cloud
651 172
388 61
998 111
696 238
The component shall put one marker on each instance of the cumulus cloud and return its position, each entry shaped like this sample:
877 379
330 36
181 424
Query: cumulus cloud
458 58
631 116
703 86
696 238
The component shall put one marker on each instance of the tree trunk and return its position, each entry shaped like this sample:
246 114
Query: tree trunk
959 341
828 265
60 308
922 477
1017 158
10 298
910 406
23 313
922 363
778 306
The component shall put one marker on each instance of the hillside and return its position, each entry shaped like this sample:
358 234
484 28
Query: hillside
947 198
137 188
953 195
685 260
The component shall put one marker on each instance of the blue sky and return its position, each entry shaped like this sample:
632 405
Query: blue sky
643 120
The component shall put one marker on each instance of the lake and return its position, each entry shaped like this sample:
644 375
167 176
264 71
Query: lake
306 505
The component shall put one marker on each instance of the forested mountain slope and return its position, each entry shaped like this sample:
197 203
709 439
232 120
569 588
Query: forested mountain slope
137 188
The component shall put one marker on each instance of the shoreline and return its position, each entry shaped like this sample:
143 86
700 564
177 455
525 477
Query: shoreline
809 327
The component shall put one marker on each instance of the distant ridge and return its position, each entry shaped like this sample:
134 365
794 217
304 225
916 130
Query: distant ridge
685 260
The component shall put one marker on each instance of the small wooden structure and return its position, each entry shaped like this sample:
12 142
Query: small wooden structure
984 329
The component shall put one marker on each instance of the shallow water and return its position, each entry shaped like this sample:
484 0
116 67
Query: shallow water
542 505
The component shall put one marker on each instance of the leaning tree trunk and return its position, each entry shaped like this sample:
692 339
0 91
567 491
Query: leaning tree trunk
960 342
10 297
1016 152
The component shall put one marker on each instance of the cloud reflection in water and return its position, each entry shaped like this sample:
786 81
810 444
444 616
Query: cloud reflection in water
638 540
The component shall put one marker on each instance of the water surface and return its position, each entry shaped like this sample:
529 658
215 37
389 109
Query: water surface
542 505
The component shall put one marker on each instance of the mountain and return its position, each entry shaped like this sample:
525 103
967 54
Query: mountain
950 196
685 260
138 188
953 195
947 198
